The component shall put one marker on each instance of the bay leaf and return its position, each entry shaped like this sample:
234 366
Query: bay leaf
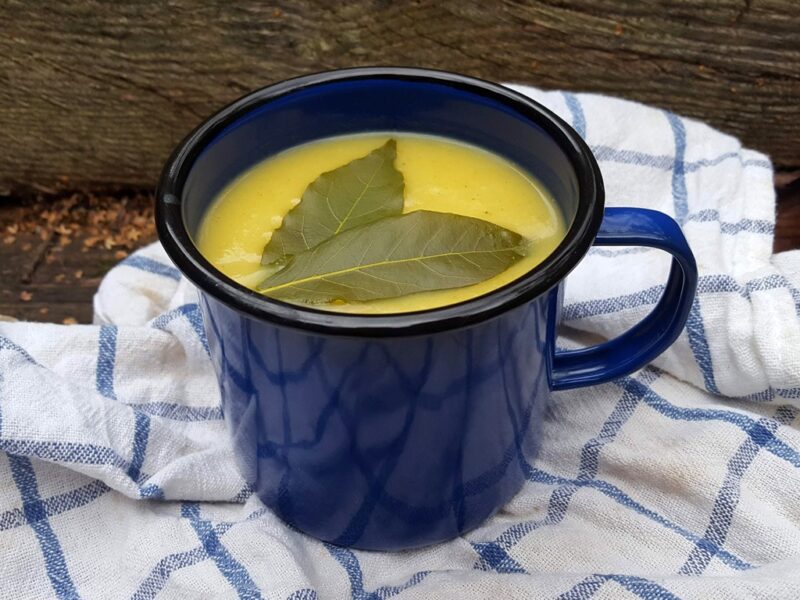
360 192
415 252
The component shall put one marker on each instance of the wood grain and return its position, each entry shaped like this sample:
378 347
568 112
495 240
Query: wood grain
99 92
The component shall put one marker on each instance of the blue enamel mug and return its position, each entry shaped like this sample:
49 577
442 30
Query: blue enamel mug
396 431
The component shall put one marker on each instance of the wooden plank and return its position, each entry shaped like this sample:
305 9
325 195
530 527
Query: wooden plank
787 224
100 92
54 252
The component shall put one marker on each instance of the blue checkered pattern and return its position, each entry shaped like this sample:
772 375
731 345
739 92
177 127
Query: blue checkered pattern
682 481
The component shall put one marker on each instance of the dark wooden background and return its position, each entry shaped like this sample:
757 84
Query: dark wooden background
93 95
101 91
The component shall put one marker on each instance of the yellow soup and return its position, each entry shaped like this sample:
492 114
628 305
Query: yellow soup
440 175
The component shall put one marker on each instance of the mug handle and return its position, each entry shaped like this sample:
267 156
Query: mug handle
645 341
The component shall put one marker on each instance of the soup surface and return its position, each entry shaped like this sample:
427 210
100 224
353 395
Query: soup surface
439 175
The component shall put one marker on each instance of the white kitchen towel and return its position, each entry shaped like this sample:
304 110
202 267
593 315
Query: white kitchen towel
681 481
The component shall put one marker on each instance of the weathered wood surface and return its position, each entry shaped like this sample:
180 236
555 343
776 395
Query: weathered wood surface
100 92
787 224
55 249
54 252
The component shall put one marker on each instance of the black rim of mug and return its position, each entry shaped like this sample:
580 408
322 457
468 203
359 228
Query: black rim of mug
579 237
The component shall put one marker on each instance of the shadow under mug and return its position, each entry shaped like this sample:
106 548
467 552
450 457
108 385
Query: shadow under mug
396 431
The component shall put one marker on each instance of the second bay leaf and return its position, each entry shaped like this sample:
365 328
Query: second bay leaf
415 252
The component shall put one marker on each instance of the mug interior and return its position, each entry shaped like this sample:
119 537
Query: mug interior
378 104
378 99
